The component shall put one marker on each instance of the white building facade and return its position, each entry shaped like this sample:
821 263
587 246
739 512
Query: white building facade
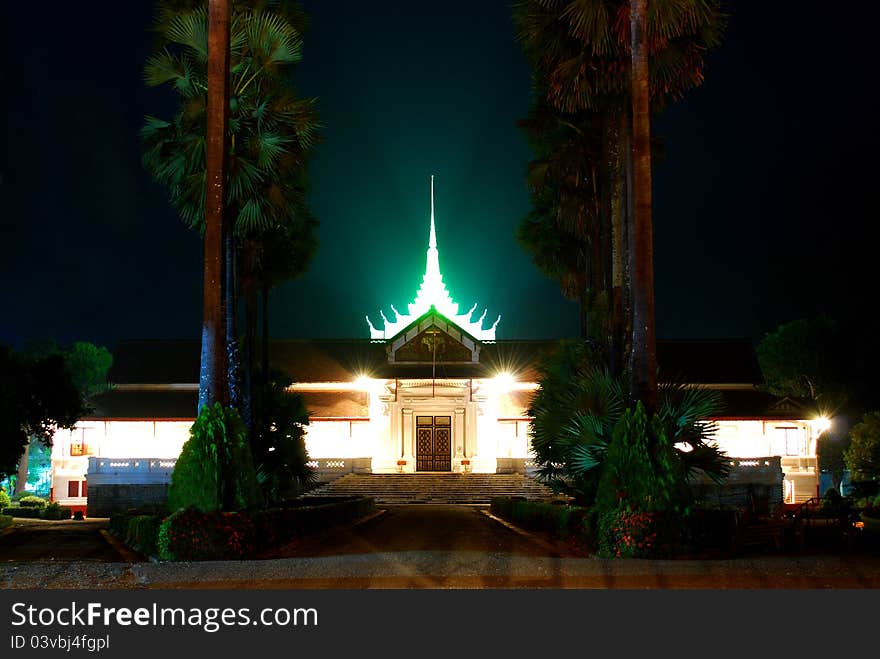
431 390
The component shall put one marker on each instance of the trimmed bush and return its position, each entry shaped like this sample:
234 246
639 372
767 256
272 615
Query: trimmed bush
642 501
56 511
5 501
31 501
17 511
560 521
215 469
119 523
5 520
143 534
193 535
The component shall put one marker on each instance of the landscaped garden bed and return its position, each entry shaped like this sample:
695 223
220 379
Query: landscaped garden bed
34 507
191 535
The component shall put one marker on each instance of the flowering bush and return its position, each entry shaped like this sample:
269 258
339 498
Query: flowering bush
626 534
192 535
640 534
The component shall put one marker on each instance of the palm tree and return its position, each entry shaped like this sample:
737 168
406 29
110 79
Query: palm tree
271 134
578 406
643 359
213 380
580 53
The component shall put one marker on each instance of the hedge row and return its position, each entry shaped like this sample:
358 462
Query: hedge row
192 535
5 520
560 521
52 511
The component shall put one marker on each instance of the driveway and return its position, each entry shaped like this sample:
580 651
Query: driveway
61 540
419 546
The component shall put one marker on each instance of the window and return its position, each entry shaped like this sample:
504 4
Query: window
78 448
73 488
791 440
82 488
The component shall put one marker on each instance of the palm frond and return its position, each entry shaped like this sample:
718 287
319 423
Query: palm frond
190 30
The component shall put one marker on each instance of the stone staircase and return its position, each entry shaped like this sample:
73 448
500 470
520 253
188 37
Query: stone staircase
435 488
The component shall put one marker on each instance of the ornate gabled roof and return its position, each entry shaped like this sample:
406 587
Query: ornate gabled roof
432 338
433 294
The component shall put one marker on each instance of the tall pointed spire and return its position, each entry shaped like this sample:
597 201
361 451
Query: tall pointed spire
433 294
432 241
432 264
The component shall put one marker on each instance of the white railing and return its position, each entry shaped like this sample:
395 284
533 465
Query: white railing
331 468
129 470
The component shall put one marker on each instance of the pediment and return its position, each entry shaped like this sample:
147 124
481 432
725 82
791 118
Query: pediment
786 405
433 339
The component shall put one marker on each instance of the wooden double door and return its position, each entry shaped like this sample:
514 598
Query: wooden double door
433 443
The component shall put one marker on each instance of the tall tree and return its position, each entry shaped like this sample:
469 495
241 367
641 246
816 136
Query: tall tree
271 135
580 52
643 360
214 370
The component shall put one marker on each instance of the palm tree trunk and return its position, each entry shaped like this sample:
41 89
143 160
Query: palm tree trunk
249 290
230 301
213 376
263 385
644 348
617 249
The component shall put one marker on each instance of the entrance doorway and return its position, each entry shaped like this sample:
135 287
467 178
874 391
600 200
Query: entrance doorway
433 443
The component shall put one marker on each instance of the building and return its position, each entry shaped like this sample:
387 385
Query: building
430 391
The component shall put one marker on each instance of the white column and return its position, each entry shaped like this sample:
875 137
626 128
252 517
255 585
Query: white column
407 436
460 435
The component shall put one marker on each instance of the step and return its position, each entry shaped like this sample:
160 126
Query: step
435 488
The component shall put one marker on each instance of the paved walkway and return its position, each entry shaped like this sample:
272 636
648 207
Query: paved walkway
440 547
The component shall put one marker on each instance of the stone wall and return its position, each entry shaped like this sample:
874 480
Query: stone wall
108 498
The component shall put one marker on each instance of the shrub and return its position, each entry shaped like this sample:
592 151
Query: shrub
143 534
5 501
192 535
31 501
56 511
5 520
560 521
119 523
17 511
642 499
215 469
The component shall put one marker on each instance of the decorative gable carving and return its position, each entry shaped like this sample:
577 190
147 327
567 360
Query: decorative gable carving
786 406
433 338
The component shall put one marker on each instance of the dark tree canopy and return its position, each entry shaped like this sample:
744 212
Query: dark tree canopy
801 358
36 396
863 455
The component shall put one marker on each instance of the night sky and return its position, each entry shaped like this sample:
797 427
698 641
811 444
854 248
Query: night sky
762 203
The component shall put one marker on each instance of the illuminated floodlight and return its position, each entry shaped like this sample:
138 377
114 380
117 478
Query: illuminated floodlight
363 383
504 382
822 424
433 294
